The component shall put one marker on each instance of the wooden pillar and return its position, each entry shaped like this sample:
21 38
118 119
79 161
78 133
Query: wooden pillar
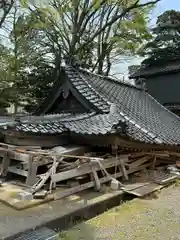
119 161
93 174
154 162
96 178
123 168
32 171
5 164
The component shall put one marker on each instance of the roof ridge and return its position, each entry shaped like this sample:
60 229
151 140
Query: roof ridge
109 78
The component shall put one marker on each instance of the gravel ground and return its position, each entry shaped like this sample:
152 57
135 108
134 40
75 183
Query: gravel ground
139 219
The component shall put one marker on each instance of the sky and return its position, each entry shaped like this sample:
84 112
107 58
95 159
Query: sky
161 7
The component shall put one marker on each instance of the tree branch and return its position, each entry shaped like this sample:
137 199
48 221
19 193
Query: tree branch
117 17
6 7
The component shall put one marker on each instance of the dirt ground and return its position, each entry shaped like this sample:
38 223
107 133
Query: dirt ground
154 218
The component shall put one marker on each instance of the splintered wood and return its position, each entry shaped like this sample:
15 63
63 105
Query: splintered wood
55 169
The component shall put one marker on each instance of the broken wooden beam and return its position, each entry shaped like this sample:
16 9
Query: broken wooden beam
82 187
83 169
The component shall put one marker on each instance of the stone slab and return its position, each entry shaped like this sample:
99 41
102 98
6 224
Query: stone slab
15 196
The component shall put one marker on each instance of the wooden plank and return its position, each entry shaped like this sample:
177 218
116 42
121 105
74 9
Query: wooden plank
14 155
72 150
140 161
169 179
5 145
82 170
31 140
136 155
17 171
82 187
23 155
132 186
144 190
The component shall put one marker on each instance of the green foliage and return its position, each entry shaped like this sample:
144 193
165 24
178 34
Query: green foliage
40 82
165 45
24 3
93 31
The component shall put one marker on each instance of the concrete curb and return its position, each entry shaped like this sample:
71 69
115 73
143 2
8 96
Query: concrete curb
84 213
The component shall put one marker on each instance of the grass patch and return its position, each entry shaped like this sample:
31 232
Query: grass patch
126 210
138 219
177 183
113 216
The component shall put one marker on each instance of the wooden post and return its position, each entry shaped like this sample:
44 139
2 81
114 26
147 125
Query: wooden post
120 161
5 164
96 178
93 174
32 170
125 175
53 171
154 161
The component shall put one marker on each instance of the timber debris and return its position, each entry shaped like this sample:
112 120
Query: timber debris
63 172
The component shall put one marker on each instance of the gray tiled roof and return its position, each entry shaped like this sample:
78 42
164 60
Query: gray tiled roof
137 113
146 119
89 123
154 70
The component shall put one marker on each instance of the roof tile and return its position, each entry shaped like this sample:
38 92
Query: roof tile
138 113
97 124
146 119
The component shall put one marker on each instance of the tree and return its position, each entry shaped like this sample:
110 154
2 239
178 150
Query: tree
5 96
165 45
95 32
18 60
39 81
